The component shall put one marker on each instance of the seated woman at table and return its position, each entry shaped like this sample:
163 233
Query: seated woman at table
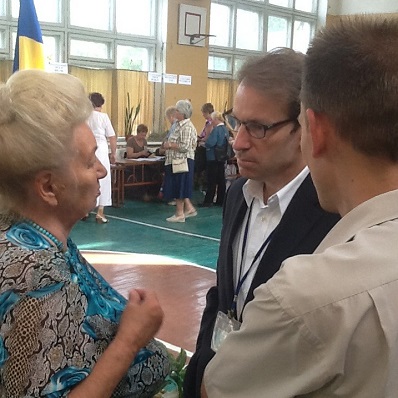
137 145
63 330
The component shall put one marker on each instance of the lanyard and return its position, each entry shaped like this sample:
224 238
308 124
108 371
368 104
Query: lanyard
241 279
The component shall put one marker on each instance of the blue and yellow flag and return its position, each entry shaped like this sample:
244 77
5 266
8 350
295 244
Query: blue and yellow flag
29 53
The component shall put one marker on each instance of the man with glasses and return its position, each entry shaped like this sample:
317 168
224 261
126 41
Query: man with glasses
269 215
326 324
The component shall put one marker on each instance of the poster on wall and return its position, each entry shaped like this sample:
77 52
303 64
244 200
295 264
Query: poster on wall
170 78
185 79
57 67
192 25
154 77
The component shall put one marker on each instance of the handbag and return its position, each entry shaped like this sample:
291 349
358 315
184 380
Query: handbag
224 153
179 165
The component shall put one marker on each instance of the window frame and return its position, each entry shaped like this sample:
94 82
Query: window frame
266 9
81 60
65 32
147 44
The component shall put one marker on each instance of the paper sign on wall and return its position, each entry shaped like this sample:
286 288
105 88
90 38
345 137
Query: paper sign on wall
185 79
154 77
57 67
170 78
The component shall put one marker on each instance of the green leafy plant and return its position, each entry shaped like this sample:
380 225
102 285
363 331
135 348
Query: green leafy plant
178 369
174 382
130 116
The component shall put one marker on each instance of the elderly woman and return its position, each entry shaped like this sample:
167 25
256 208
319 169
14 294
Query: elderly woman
63 330
180 147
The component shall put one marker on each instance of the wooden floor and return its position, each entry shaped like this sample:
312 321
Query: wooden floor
181 289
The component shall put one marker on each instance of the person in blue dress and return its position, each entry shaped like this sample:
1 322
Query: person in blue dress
64 331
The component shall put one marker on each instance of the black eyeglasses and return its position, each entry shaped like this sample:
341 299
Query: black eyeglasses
258 130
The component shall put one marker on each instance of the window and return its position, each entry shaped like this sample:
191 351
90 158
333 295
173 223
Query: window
220 22
247 27
99 10
237 65
2 8
248 30
278 32
2 40
89 49
133 58
134 19
51 45
301 36
281 3
305 5
219 64
106 33
47 10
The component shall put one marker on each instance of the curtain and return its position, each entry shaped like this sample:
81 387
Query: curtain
220 92
140 91
100 81
115 84
5 70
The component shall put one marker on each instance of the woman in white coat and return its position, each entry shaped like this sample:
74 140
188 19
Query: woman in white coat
103 131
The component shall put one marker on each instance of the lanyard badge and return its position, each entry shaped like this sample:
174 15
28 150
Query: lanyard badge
223 326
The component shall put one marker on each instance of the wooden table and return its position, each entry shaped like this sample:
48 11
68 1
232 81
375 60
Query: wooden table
117 177
138 176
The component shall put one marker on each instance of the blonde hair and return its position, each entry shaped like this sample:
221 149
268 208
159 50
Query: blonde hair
39 111
218 116
170 111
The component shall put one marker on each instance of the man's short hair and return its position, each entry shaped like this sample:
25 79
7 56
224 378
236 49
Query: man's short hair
351 74
276 74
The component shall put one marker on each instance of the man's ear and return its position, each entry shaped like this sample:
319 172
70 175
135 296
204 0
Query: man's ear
318 129
45 187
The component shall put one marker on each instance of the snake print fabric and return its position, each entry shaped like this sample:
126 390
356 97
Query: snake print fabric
57 316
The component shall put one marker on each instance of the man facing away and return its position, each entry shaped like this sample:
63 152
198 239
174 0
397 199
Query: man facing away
326 324
271 214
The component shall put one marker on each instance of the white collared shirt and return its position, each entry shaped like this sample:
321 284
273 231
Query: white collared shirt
264 218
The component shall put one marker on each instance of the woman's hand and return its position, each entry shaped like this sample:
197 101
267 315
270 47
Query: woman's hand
112 158
140 320
145 153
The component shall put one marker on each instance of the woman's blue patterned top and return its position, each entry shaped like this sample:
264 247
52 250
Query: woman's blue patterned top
57 316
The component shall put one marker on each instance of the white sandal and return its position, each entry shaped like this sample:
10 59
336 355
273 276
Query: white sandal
191 213
175 218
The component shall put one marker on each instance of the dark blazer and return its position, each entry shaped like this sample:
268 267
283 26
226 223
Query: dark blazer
302 227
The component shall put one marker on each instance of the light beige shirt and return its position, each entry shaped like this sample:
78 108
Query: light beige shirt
326 325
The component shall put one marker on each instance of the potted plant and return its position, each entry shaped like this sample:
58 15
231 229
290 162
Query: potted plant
174 382
130 116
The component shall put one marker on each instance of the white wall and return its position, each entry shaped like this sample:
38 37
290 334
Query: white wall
348 7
